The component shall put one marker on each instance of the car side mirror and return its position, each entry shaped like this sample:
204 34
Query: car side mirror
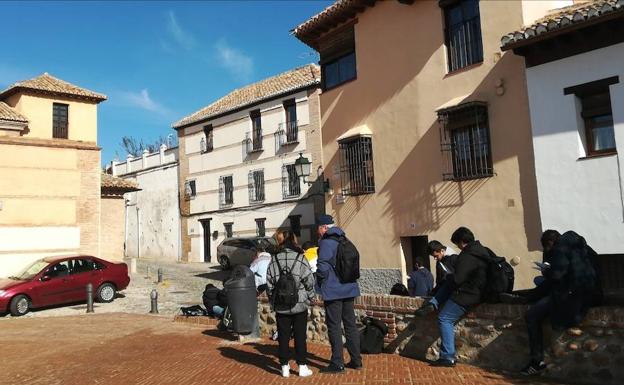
45 278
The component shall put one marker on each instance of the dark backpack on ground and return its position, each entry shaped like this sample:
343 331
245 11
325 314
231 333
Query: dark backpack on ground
347 260
372 336
399 289
193 311
210 297
286 292
500 278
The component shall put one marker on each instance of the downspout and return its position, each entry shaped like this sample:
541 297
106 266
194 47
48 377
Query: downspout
138 234
126 227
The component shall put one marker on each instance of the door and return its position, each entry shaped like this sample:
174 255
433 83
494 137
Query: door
83 271
55 285
206 227
419 251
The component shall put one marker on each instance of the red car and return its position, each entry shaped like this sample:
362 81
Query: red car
61 279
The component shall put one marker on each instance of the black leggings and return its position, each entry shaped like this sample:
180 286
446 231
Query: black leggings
285 325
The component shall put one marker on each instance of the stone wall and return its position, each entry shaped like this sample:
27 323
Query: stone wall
491 336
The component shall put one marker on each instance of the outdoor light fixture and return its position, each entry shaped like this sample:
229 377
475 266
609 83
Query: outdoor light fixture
302 168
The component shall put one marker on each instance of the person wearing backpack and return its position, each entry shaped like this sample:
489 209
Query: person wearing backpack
458 294
290 287
337 272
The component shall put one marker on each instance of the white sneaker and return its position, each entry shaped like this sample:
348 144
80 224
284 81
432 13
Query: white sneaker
304 371
286 370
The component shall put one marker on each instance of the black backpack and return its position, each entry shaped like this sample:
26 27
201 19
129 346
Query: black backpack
210 297
500 278
399 289
347 259
372 336
286 292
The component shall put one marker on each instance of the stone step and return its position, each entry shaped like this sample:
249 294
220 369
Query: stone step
208 322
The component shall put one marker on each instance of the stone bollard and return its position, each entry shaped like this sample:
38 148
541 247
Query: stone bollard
89 298
160 275
133 265
148 272
154 298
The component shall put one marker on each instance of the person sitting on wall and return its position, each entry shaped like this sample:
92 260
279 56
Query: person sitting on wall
259 267
573 284
445 258
420 281
456 296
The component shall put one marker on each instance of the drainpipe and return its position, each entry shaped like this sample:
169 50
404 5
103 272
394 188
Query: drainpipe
138 234
126 227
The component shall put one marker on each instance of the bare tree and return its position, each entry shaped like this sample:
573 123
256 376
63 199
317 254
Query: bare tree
135 147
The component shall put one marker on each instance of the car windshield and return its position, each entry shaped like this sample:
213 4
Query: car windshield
32 270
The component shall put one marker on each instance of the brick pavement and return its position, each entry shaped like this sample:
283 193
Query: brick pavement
141 349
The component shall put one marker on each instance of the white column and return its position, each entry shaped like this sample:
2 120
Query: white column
144 159
163 147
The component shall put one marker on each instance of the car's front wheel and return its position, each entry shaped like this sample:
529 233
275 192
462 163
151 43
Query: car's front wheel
20 305
106 292
224 261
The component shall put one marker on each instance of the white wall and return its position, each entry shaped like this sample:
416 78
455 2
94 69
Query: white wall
578 194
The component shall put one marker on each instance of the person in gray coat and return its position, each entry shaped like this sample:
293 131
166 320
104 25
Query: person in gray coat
290 258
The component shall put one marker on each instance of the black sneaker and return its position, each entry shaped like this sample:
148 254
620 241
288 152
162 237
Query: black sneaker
332 369
533 368
424 310
354 365
443 362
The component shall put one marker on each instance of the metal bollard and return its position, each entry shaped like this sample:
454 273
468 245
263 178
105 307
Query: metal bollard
160 279
154 297
89 298
148 272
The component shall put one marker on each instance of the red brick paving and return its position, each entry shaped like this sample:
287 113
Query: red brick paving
134 349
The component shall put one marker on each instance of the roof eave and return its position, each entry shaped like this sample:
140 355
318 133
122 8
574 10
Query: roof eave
17 89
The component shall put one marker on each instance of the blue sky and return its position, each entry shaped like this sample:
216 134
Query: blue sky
156 61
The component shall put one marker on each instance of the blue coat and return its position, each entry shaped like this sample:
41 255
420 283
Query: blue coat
328 284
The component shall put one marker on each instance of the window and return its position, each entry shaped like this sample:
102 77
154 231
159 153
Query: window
206 144
189 189
596 113
226 190
82 266
338 64
60 120
290 129
256 186
356 166
462 33
256 131
260 229
228 229
290 182
295 224
60 269
465 140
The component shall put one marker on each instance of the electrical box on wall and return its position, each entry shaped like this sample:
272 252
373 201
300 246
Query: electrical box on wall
191 230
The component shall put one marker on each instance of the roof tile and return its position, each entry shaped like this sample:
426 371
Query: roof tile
8 113
47 83
113 182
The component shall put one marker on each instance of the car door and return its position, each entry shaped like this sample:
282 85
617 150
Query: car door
54 286
83 272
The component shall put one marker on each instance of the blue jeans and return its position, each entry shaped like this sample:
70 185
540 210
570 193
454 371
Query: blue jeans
451 312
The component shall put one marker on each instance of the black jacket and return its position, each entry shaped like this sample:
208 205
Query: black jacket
470 275
449 262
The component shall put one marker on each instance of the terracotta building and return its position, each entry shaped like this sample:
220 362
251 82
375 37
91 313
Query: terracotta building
425 128
49 171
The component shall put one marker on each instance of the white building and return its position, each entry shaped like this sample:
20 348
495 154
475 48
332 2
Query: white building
575 78
237 160
152 216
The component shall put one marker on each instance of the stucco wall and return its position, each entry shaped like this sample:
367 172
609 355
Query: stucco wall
401 80
585 195
112 223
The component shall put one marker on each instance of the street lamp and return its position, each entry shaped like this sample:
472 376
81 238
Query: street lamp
302 168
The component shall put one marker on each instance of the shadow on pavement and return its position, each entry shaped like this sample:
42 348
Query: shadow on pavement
264 362
216 274
271 351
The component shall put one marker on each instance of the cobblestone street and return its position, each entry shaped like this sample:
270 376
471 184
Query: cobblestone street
182 285
142 349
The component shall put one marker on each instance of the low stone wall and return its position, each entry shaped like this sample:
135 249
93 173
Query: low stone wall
491 336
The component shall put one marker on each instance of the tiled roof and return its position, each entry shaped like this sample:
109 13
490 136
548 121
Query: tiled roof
113 182
558 20
48 84
289 81
332 16
8 113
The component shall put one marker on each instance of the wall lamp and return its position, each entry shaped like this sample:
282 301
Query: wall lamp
303 167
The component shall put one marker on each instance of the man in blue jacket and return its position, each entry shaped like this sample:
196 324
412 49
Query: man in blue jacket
338 298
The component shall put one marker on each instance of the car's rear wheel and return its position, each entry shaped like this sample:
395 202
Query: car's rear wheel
106 292
224 261
20 305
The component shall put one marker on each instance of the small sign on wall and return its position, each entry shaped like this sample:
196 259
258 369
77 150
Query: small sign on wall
340 199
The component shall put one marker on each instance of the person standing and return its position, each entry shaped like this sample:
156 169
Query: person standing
290 287
420 281
338 298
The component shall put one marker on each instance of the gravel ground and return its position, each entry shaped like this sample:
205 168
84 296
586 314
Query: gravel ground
183 284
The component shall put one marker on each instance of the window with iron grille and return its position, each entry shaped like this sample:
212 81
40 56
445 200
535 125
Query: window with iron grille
295 224
189 189
462 33
260 228
291 186
256 130
226 190
60 120
465 142
228 229
356 166
256 186
290 128
207 145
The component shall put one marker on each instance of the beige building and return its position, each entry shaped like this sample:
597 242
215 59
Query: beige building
113 220
49 171
236 162
426 128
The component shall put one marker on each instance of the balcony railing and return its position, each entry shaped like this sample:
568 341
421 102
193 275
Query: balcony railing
253 143
288 133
